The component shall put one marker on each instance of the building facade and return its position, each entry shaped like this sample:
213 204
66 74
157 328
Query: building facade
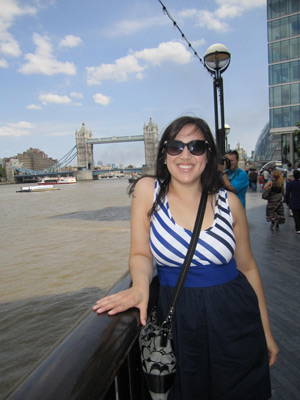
284 74
35 159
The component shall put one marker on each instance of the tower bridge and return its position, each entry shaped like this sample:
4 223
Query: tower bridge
85 142
85 158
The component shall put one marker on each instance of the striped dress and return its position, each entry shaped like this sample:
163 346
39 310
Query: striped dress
217 331
213 261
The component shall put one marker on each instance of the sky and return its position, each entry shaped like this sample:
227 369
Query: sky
114 64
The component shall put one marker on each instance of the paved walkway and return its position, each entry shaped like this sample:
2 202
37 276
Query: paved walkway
278 257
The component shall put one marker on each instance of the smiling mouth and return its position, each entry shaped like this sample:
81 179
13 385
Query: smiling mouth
185 167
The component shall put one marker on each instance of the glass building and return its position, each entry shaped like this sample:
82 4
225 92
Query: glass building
284 74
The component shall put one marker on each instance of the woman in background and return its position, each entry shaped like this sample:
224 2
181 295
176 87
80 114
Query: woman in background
275 210
292 198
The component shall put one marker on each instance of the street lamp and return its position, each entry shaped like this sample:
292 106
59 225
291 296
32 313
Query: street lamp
216 61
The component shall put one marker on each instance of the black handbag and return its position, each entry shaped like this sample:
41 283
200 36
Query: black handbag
266 194
155 340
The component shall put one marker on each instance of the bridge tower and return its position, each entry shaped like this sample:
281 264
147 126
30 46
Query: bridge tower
85 159
151 135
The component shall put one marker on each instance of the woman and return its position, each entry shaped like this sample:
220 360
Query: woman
275 210
292 198
221 329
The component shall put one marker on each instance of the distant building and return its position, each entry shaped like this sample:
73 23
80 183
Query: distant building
151 135
284 74
35 159
85 159
268 147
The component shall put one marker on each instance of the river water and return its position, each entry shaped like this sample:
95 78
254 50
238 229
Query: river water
60 251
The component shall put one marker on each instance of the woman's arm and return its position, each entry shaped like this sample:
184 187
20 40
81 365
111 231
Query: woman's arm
140 258
268 185
247 265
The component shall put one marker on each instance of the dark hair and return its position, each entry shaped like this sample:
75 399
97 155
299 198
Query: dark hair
296 174
210 178
234 153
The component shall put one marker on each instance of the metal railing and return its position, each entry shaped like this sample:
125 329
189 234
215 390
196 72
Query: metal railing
98 359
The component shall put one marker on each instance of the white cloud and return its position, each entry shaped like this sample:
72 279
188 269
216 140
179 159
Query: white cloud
77 95
70 41
124 67
16 129
3 63
227 9
34 107
198 43
101 99
43 60
169 51
9 11
119 71
54 98
131 26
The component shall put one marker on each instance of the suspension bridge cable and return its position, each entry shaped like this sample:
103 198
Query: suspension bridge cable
175 25
65 160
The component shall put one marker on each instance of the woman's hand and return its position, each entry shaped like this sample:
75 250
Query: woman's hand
122 301
273 350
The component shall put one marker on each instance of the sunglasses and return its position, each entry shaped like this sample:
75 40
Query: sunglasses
176 147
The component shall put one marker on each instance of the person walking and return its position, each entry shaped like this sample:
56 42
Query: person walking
266 176
274 209
253 179
260 182
220 328
292 198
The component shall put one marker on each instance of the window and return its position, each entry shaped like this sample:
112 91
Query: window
295 71
285 95
295 115
284 54
284 28
294 48
286 116
294 6
273 9
295 93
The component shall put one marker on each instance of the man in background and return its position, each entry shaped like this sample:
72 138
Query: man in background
235 178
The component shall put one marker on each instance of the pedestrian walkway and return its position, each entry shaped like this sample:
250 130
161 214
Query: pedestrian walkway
278 258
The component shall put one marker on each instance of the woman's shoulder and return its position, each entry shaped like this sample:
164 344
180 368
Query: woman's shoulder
145 186
232 198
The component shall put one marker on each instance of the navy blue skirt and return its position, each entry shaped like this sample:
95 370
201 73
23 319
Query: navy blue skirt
219 343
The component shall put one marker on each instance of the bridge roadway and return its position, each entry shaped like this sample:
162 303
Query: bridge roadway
277 256
116 139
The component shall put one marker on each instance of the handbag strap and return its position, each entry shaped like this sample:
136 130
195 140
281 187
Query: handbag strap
187 261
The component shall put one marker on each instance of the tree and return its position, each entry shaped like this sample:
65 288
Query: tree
297 138
2 172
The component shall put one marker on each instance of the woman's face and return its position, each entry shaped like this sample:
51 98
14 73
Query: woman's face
186 167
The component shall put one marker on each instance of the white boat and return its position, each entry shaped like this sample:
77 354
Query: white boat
57 180
27 189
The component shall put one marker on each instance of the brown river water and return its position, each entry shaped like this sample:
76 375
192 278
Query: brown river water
60 251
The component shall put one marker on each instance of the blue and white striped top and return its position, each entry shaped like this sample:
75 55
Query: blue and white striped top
213 261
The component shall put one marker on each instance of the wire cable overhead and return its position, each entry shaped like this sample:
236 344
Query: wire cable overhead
175 25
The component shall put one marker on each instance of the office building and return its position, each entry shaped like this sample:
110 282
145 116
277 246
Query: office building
284 74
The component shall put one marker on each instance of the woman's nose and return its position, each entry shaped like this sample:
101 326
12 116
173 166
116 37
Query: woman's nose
186 153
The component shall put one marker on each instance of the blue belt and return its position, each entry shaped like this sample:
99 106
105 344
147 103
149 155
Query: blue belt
199 276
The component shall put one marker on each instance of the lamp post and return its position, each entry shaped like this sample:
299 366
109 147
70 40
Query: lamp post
216 61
